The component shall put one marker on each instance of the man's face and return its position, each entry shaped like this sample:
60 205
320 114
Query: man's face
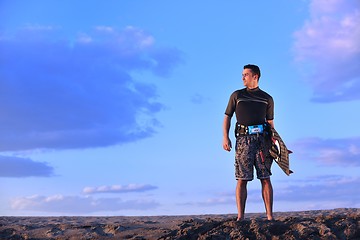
249 78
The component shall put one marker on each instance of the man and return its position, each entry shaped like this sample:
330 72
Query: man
254 110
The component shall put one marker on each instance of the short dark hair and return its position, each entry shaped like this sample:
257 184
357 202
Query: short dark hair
255 69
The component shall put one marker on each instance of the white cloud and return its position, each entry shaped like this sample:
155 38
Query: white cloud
119 188
327 48
37 27
60 204
63 204
105 29
144 40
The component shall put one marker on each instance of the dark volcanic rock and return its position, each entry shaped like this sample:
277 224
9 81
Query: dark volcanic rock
327 224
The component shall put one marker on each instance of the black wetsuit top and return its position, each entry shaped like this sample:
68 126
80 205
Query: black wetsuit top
251 106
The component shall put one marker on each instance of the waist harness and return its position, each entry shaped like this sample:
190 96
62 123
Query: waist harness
241 130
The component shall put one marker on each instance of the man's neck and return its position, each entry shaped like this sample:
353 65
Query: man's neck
252 87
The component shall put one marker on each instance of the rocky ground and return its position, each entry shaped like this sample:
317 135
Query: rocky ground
322 224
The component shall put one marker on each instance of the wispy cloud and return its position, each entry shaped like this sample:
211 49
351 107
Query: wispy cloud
328 190
78 92
332 152
119 188
17 167
223 198
334 188
60 204
327 48
198 99
214 201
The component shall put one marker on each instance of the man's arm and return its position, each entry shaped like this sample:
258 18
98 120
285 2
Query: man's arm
271 122
226 127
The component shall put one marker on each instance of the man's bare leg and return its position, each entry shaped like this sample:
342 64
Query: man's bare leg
267 194
241 195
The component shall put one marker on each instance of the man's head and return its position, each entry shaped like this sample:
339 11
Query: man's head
251 75
254 69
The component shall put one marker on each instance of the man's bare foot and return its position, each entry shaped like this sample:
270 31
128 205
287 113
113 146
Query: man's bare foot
270 218
239 219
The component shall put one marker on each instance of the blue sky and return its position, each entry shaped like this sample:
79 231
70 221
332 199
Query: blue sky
116 108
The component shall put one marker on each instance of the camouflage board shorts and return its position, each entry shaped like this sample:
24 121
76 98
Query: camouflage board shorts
248 156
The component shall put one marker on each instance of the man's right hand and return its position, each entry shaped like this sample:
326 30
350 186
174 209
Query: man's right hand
226 140
227 144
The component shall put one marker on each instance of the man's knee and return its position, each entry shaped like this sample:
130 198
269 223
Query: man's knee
265 182
242 183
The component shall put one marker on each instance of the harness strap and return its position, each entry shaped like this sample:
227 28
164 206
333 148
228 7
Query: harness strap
241 130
